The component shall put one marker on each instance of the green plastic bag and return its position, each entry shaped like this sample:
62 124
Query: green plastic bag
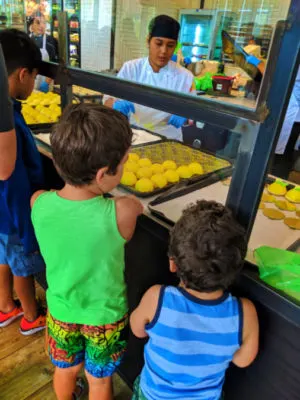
280 269
205 82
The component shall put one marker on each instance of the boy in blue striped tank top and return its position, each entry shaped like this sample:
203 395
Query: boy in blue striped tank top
196 329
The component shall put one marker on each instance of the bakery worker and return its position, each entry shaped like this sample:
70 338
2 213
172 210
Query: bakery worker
291 112
160 71
47 45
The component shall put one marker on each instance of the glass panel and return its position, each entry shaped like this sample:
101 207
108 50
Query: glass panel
113 33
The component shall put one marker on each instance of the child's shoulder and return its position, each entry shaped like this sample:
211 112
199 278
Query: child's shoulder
39 195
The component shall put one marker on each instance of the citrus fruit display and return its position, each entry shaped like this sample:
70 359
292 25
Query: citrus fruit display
144 172
144 185
171 176
196 168
144 162
159 181
128 178
184 172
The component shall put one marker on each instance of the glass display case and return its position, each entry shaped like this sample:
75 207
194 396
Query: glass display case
233 143
200 34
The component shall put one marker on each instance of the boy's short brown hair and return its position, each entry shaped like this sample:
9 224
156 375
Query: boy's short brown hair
87 138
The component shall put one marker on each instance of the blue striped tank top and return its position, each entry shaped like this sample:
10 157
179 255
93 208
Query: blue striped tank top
191 343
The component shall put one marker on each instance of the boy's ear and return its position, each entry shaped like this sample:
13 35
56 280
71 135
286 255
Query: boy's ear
173 267
22 74
100 175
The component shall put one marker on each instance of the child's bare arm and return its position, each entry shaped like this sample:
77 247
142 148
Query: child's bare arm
35 196
128 209
249 348
8 140
145 311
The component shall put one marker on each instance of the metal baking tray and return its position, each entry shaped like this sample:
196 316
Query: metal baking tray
214 167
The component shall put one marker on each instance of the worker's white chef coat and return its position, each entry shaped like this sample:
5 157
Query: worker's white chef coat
171 77
290 118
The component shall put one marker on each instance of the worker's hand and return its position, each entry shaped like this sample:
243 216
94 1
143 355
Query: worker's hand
125 107
253 60
44 87
187 60
177 121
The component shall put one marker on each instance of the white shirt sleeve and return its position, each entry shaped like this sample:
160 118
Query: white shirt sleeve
124 73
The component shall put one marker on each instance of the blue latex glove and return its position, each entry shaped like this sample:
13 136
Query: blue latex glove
44 87
125 107
174 57
177 121
187 60
253 60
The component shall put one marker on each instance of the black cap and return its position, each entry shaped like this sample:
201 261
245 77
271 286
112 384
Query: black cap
164 26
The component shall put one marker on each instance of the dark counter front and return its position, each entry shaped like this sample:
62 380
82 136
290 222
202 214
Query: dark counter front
275 373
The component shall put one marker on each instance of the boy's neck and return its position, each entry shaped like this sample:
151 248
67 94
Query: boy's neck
204 295
74 193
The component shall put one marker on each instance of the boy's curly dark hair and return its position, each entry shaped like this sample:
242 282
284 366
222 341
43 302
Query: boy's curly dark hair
208 247
88 138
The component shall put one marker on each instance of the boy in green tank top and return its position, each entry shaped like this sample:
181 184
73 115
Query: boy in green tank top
82 236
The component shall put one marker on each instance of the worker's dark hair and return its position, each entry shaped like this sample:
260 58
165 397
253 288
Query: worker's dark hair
208 247
164 26
87 138
19 51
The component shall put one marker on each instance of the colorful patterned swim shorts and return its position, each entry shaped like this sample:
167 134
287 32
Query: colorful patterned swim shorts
101 348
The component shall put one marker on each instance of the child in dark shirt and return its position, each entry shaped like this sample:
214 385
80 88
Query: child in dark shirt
19 251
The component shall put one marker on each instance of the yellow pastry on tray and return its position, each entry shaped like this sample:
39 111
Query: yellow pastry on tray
171 176
133 157
128 178
144 185
145 172
273 214
184 172
277 188
168 164
293 223
196 168
144 162
285 205
293 195
159 181
261 206
267 198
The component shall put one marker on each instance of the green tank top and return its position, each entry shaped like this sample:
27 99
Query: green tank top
84 255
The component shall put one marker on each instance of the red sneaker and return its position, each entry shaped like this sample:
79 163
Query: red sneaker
30 327
8 318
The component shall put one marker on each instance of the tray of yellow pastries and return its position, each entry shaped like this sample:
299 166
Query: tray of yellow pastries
281 201
155 168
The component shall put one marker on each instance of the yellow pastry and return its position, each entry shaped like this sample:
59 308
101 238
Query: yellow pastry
159 181
273 214
169 165
128 179
277 188
184 172
196 168
145 172
144 185
171 176
293 223
293 195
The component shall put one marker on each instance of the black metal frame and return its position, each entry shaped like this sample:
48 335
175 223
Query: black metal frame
260 127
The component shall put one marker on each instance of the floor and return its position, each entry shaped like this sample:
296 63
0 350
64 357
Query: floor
25 370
